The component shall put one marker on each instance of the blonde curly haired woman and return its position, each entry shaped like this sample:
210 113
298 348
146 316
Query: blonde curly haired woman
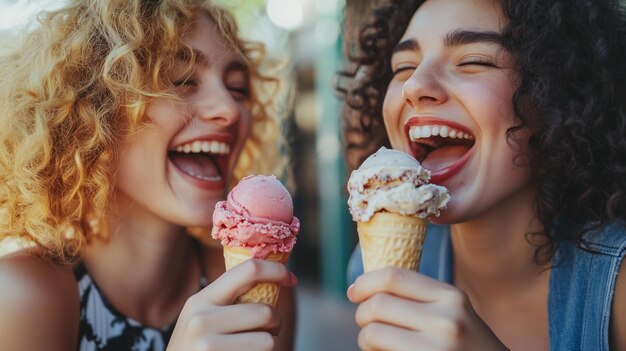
122 124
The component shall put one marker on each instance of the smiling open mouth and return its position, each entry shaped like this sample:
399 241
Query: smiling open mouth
439 147
202 160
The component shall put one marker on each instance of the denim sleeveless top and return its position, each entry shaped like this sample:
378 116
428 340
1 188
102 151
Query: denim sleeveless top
581 287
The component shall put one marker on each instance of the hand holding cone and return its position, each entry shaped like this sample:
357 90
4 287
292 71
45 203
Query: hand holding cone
266 293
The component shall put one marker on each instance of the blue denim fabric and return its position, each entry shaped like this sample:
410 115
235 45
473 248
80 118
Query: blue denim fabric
582 284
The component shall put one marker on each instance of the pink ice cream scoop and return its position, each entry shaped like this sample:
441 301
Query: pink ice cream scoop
257 215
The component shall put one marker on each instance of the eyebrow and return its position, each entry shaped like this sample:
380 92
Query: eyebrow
460 37
456 37
406 45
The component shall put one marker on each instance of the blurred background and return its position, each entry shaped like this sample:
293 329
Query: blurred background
306 35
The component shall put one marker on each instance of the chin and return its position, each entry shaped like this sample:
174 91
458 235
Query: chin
446 217
199 216
456 212
195 222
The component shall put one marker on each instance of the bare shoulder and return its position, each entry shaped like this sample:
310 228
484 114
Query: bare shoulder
39 303
618 314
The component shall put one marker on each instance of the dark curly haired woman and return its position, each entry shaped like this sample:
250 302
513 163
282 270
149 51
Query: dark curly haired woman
518 108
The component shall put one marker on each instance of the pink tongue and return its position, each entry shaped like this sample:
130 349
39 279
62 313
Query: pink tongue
195 164
443 157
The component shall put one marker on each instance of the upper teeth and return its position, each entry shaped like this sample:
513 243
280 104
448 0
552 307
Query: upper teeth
418 132
211 147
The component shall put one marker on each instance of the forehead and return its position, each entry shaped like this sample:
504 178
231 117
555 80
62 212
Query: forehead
437 17
205 37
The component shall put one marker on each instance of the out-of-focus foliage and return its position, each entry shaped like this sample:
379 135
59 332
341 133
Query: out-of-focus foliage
247 12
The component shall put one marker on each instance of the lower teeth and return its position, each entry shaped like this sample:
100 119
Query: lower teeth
214 178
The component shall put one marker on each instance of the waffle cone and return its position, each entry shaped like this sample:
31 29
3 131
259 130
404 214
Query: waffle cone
266 293
390 239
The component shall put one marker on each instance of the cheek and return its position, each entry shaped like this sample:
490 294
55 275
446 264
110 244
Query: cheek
494 174
135 163
143 159
130 178
492 112
499 151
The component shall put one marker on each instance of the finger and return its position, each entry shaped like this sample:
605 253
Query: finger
397 311
384 337
400 282
253 341
241 278
227 320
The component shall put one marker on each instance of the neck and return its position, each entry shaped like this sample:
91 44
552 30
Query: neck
145 264
493 254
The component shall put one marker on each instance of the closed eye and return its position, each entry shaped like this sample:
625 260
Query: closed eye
402 69
403 72
478 60
240 93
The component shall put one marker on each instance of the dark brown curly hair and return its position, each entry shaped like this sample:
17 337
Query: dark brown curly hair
571 58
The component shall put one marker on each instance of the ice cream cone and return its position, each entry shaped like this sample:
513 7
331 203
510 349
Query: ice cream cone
266 293
390 239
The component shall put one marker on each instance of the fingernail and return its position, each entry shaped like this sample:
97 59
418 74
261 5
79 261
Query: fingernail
349 291
293 280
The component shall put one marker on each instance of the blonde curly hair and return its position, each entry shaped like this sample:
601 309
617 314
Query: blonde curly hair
76 85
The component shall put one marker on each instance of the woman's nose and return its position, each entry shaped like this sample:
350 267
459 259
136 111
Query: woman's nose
216 104
424 88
